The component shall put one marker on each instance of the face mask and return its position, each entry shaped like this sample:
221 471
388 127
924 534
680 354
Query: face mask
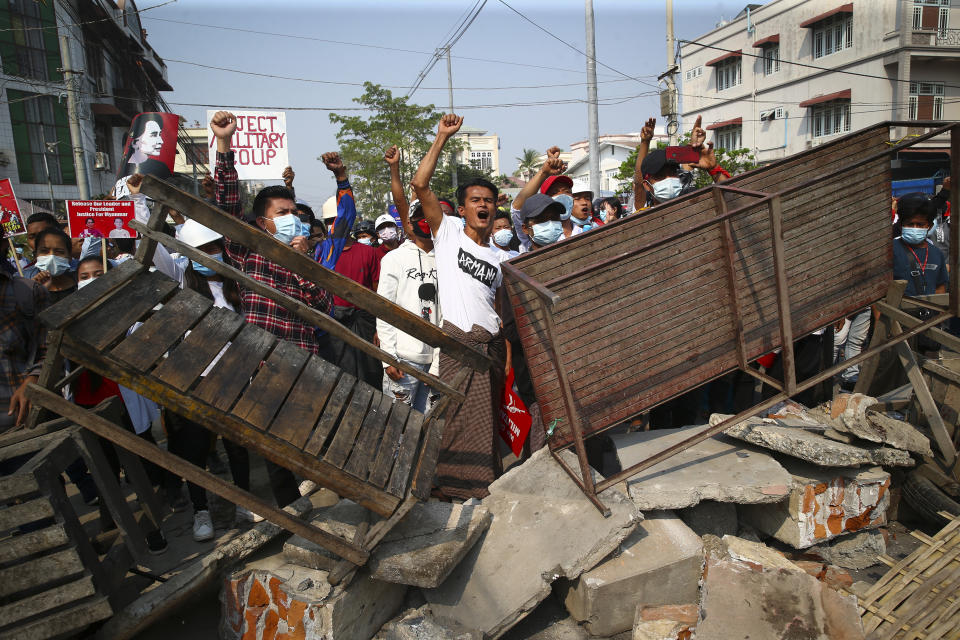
303 229
548 232
387 234
54 265
204 270
177 228
567 202
366 241
914 235
288 227
602 214
82 283
582 223
503 237
421 229
667 189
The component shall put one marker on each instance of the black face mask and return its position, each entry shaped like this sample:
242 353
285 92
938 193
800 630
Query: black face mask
420 233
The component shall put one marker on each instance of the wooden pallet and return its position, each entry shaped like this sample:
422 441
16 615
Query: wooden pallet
919 597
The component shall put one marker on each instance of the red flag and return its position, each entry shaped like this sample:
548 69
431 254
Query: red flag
515 420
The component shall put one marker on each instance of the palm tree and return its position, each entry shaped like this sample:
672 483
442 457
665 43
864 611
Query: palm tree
528 163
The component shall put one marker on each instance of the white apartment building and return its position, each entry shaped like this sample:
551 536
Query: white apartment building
482 149
613 150
193 157
739 76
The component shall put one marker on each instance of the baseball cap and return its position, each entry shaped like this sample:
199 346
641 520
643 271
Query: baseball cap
196 235
655 162
385 218
567 180
537 204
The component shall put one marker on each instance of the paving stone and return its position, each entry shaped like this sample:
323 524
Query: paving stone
428 543
854 551
823 504
711 470
658 564
709 517
543 528
750 591
812 447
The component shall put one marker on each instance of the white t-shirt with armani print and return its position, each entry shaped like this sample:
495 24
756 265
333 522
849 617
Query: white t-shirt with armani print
468 277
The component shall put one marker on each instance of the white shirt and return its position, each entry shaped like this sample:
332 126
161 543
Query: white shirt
469 276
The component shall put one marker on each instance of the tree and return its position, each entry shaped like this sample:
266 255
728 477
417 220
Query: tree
528 163
734 160
363 140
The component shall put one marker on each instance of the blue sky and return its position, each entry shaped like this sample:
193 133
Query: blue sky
399 36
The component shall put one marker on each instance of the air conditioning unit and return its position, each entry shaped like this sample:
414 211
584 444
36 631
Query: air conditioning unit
101 161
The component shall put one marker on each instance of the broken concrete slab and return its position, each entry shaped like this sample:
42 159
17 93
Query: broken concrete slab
812 447
709 517
429 543
823 504
858 550
270 598
831 575
710 470
419 624
660 630
341 519
750 591
857 414
658 564
543 528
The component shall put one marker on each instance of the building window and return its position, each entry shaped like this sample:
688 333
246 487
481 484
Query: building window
830 118
832 35
40 120
728 74
694 73
771 59
930 15
926 100
29 43
728 137
482 160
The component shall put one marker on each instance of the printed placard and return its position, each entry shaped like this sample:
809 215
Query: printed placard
100 218
259 144
10 216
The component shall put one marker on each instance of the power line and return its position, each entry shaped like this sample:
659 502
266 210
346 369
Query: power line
80 24
448 43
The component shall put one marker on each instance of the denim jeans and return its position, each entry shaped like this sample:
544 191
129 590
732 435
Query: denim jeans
850 341
408 389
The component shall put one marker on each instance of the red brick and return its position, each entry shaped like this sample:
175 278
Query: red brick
683 613
251 616
270 624
258 595
297 629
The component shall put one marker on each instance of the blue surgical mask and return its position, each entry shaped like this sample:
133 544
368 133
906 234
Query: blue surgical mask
82 283
54 265
204 270
667 189
581 223
503 237
288 227
914 235
303 229
567 202
548 232
602 214
366 241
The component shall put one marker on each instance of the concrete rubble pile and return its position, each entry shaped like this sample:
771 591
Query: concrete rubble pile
749 534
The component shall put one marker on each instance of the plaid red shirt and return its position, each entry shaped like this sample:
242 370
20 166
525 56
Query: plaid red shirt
257 309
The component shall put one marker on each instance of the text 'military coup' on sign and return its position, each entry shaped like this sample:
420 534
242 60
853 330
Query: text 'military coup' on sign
259 144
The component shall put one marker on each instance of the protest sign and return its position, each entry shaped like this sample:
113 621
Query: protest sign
515 420
151 145
259 144
100 218
10 215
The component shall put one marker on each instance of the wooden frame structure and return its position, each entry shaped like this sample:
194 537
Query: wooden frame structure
286 404
717 279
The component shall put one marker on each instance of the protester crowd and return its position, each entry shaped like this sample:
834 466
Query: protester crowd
437 259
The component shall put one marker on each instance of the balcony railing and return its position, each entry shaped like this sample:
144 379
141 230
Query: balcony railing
937 37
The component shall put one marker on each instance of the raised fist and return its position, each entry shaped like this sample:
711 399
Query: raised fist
288 176
332 161
223 124
392 156
646 133
449 124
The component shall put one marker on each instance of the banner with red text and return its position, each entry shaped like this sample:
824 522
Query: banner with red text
100 218
259 144
10 216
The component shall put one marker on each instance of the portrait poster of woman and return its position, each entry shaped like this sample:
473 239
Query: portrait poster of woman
151 145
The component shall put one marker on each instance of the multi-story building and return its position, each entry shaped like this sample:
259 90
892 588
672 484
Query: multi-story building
786 75
613 150
116 75
193 156
482 149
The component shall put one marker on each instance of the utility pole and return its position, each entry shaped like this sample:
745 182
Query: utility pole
76 141
668 103
48 147
593 125
453 154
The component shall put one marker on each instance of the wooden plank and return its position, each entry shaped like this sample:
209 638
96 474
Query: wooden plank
346 434
233 371
406 451
389 448
331 414
31 606
188 360
40 571
110 321
304 406
32 542
191 473
302 311
25 512
62 623
142 348
17 485
51 369
94 294
264 244
940 432
371 432
267 392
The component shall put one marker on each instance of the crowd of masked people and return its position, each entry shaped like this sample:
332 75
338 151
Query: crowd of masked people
437 258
